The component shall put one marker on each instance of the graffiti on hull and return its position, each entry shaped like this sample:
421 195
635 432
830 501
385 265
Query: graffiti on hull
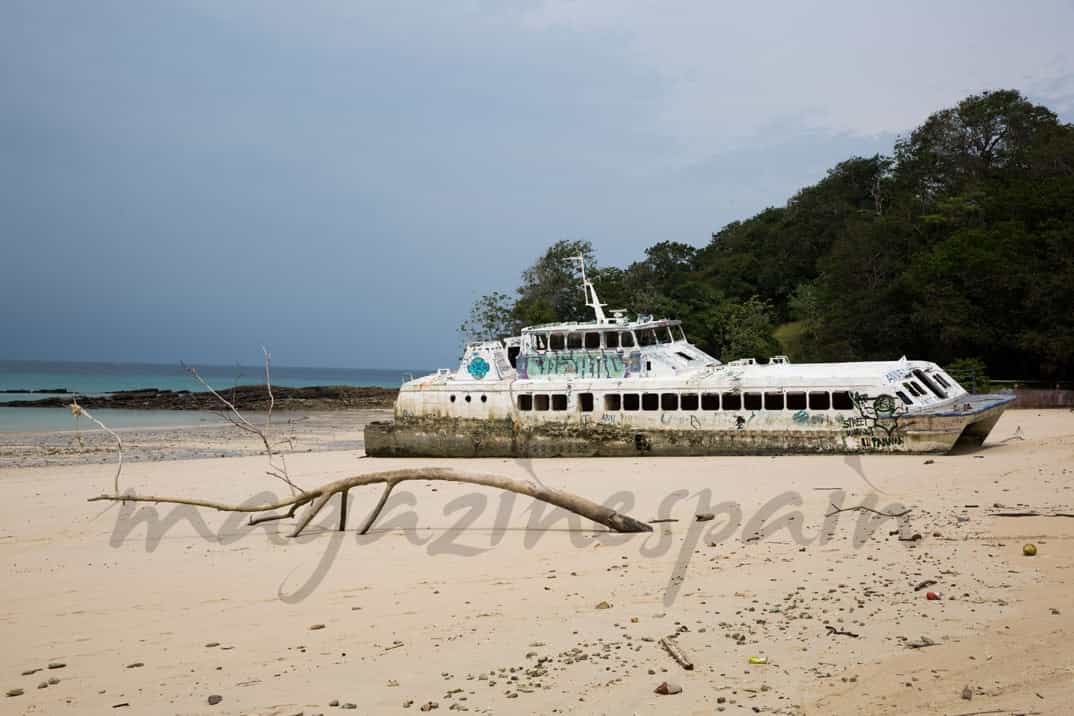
877 424
580 364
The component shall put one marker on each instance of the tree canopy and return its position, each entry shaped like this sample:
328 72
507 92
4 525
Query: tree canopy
960 245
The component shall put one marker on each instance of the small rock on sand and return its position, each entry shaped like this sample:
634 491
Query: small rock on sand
15 692
215 699
315 627
603 605
666 689
57 665
967 693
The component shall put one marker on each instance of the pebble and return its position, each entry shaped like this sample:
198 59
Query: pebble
315 627
349 706
967 693
135 665
57 665
603 605
211 644
215 699
667 689
334 702
28 672
430 706
15 692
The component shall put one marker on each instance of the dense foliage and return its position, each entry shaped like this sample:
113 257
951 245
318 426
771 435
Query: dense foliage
958 246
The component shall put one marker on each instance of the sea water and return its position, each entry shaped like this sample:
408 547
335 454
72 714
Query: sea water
104 378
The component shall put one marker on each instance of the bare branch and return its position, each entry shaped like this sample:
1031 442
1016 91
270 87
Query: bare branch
863 508
321 495
77 410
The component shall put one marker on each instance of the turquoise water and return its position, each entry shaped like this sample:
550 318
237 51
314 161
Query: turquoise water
103 378
34 420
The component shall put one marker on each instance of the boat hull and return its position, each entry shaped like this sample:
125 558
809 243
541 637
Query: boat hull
444 437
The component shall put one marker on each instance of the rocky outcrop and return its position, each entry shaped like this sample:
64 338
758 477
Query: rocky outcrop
245 397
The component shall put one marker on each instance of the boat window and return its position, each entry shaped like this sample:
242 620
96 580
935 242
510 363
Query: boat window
556 342
930 384
940 380
540 402
688 401
574 341
453 399
631 401
647 337
842 401
820 401
669 401
611 340
753 401
679 334
684 355
525 402
467 398
902 396
773 401
559 402
512 355
626 339
732 401
664 334
918 388
585 402
592 341
613 401
710 401
539 341
796 401
650 401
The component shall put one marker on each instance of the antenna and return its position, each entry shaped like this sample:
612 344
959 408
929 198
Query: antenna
591 298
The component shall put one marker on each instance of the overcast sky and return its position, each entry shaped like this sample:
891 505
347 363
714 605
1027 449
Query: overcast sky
339 180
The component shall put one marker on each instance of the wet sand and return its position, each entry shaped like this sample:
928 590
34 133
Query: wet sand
209 435
477 601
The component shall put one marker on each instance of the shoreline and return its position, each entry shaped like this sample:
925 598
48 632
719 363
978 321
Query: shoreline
304 431
244 397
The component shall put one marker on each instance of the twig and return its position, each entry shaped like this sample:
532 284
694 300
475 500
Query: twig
863 508
77 410
1031 514
832 631
237 419
677 653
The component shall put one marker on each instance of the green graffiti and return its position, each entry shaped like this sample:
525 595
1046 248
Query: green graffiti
581 364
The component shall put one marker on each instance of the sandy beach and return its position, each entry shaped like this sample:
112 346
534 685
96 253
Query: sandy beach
471 599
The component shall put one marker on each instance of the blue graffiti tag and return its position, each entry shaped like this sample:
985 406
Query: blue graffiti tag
478 367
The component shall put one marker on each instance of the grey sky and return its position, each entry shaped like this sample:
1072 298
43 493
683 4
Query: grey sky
339 180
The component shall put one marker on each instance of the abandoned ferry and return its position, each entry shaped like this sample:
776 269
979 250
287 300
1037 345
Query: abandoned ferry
621 387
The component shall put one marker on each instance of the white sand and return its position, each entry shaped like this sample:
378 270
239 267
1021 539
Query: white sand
416 614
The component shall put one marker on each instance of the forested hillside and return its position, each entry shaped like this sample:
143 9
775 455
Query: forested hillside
959 245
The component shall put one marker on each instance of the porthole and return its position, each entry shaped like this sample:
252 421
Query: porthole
467 398
453 399
484 399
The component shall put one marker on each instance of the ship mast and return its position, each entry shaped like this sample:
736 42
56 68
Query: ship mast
591 298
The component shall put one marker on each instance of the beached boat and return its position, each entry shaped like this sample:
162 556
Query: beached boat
621 387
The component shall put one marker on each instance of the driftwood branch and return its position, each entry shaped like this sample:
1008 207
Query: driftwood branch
320 496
